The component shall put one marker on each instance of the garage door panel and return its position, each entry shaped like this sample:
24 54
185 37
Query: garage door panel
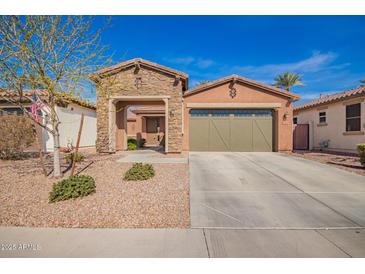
199 134
262 134
219 139
231 130
241 134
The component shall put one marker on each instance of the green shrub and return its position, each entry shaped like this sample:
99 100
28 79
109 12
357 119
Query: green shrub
361 150
72 187
141 142
69 157
139 172
132 144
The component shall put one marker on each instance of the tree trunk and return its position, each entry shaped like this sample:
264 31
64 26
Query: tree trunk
56 155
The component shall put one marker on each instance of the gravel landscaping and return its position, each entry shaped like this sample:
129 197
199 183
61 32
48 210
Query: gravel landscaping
162 201
346 162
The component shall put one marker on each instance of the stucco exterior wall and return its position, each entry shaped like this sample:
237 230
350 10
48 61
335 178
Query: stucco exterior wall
335 126
131 127
70 122
250 95
154 83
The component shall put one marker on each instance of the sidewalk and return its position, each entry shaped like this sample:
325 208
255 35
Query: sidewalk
187 243
76 242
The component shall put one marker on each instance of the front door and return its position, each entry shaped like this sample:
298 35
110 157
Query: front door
154 133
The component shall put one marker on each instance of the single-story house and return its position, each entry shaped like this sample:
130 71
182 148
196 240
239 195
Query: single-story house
230 114
69 111
334 122
147 123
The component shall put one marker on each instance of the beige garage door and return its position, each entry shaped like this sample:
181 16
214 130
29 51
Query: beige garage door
231 130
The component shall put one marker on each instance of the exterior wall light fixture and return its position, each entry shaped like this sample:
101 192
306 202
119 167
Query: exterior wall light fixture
172 113
286 116
138 82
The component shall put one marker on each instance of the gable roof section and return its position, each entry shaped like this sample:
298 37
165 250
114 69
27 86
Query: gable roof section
348 94
243 80
136 61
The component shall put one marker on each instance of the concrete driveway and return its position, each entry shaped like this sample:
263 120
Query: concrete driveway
275 205
271 190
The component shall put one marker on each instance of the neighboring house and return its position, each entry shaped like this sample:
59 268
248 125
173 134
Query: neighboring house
147 123
69 112
229 114
336 122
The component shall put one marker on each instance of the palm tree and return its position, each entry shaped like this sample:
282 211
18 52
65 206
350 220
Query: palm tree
287 80
362 83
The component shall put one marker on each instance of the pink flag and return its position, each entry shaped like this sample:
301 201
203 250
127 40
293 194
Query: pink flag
35 107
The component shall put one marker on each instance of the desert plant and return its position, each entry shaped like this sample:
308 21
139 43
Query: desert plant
132 144
69 157
17 133
287 80
72 187
139 172
361 150
141 142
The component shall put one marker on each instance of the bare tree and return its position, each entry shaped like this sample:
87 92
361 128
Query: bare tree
52 53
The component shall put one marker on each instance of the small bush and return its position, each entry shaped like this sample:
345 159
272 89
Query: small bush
139 172
141 142
69 157
16 134
361 150
72 187
132 144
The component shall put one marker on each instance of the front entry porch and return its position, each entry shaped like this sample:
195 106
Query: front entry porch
150 121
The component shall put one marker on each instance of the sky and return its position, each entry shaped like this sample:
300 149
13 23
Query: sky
327 51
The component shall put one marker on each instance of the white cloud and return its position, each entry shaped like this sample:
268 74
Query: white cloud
310 96
204 63
181 60
315 63
200 63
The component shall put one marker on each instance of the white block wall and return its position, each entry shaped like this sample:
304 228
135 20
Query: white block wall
70 121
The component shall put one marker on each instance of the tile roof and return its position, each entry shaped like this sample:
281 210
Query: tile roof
65 97
135 61
243 80
332 98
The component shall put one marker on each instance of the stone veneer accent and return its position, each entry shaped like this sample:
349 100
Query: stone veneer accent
154 83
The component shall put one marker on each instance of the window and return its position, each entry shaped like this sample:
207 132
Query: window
322 117
353 120
295 120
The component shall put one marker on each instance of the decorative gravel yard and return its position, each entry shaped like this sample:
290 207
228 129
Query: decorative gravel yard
347 162
162 201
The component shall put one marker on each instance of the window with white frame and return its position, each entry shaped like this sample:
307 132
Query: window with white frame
353 117
322 117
